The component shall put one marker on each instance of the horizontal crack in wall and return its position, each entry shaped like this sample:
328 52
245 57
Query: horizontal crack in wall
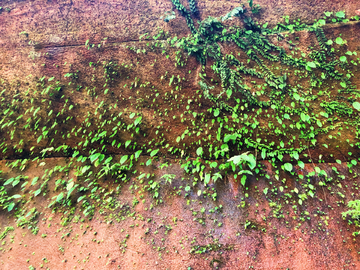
49 45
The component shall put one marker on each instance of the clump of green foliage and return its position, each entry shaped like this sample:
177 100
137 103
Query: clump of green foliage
353 214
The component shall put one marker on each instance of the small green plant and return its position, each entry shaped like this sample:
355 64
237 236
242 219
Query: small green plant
5 232
353 213
168 177
245 159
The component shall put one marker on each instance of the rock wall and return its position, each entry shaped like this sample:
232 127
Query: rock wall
87 83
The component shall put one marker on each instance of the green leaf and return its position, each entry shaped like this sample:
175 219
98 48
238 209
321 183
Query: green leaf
9 181
137 120
251 161
11 206
343 84
60 197
207 178
304 117
356 105
245 157
243 180
235 159
229 137
71 190
132 115
324 114
94 157
187 188
342 58
288 167
171 80
154 152
296 96
321 22
148 162
138 153
339 41
17 181
329 42
213 164
245 171
102 134
311 64
123 159
81 198
70 185
263 153
108 160
199 151
340 14
97 163
84 169
228 93
301 164
16 196
295 155
318 122
127 143
265 190
101 157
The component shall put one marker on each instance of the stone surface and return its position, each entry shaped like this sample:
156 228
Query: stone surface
68 22
24 66
243 232
38 37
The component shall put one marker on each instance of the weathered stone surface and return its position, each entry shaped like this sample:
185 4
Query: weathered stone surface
67 22
23 67
243 232
38 37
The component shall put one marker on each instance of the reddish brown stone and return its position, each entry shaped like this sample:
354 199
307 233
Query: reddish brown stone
53 32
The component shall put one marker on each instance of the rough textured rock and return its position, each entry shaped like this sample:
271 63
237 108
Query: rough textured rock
238 231
242 232
43 39
271 222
